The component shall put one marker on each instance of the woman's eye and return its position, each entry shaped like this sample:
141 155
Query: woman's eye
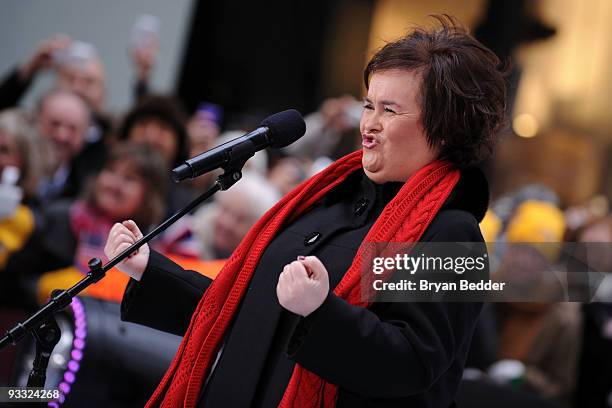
389 110
368 106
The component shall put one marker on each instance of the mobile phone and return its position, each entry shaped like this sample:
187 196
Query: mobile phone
145 31
77 53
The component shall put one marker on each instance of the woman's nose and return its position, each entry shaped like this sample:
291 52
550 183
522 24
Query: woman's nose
371 121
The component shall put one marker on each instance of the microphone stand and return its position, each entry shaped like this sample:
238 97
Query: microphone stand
42 324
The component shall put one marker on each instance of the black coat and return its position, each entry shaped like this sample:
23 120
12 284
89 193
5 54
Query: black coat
391 355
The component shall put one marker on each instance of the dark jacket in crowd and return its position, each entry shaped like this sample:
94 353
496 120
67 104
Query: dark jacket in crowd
396 354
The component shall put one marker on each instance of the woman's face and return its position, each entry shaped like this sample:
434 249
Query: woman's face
233 220
120 191
157 135
393 139
202 134
9 154
286 174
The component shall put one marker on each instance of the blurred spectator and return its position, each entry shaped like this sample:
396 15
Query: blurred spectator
19 170
76 63
585 215
143 60
204 129
220 226
130 186
78 69
599 230
505 206
594 380
159 123
286 174
144 48
20 147
325 128
63 119
544 337
596 236
535 222
17 82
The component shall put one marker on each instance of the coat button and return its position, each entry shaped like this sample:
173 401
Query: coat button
312 238
361 205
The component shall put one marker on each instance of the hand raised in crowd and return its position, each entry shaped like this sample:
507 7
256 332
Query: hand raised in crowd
303 285
337 113
120 237
144 58
44 55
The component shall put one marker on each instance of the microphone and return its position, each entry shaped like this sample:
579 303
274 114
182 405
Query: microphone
278 130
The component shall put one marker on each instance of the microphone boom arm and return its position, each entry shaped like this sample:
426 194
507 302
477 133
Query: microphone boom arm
62 298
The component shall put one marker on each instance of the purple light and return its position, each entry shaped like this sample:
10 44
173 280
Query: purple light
73 366
64 387
77 306
80 333
69 377
53 404
77 355
79 344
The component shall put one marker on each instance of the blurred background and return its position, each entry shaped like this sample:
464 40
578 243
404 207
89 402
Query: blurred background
99 100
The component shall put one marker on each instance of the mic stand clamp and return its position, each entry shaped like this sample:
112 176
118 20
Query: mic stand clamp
42 324
47 335
233 169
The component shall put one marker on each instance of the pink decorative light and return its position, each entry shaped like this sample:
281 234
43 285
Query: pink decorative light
80 333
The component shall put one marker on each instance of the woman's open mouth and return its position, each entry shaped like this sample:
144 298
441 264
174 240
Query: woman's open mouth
368 141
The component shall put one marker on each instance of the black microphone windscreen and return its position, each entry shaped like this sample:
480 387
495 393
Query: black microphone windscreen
286 127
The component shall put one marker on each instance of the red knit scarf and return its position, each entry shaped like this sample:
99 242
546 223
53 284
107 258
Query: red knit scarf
404 219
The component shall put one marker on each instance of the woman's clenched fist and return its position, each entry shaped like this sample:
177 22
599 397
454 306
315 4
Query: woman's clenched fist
303 285
121 236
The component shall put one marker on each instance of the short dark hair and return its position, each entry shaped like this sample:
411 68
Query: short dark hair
166 109
150 166
463 90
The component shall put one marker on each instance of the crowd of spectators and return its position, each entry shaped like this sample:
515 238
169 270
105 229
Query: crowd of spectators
70 170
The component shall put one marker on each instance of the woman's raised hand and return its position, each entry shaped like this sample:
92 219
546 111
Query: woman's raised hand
303 285
121 236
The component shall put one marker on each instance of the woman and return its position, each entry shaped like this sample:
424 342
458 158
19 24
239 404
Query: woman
220 226
274 331
130 185
19 154
214 231
159 122
18 148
